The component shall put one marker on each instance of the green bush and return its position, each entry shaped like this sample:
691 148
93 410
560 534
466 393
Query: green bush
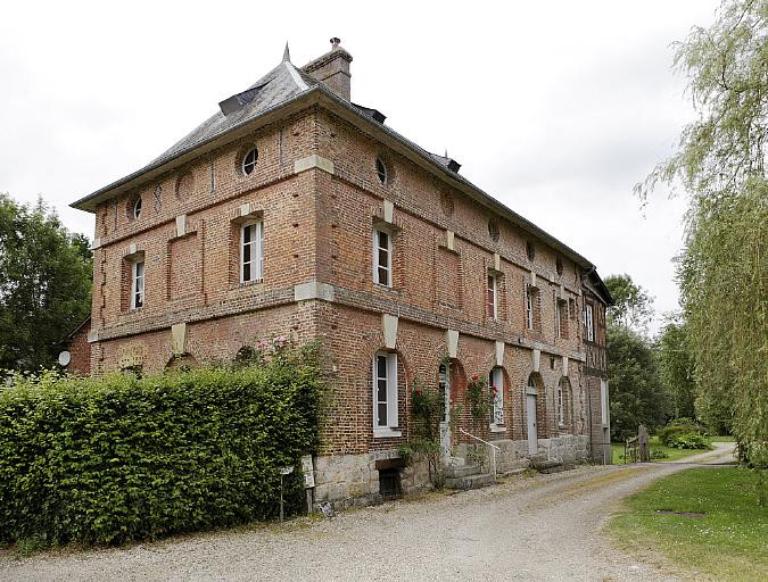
669 434
116 459
689 440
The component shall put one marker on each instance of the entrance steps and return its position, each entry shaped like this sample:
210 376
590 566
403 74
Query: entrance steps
547 465
465 477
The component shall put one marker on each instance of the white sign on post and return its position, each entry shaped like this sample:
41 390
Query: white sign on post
309 471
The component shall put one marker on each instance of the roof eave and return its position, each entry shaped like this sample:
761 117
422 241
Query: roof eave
404 147
149 173
320 94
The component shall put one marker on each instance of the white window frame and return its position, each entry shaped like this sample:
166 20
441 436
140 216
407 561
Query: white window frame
138 276
529 306
377 266
589 321
493 288
388 429
256 245
496 378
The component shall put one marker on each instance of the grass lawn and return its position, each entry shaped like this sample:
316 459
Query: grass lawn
705 520
672 454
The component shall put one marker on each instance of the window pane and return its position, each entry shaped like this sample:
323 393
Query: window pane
247 253
381 370
383 276
247 237
383 258
246 272
383 240
381 393
382 409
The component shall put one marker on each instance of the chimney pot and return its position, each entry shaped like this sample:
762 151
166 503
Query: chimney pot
335 42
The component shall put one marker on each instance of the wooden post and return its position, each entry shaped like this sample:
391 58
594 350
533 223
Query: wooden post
643 442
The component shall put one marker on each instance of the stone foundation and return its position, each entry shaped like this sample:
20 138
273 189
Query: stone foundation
353 480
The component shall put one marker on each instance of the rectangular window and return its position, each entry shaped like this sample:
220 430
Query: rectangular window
382 258
529 307
491 302
385 392
252 252
589 322
496 384
137 284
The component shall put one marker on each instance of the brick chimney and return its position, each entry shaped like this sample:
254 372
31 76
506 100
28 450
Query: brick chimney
333 69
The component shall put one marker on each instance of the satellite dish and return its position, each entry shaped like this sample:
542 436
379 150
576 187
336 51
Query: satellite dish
64 358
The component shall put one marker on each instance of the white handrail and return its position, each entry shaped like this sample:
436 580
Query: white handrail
492 447
470 435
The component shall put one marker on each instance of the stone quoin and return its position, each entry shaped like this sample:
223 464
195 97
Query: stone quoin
294 211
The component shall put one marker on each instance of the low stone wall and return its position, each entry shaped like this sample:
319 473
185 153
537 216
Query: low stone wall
353 480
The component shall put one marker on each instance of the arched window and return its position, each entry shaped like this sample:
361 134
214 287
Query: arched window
496 386
564 404
444 387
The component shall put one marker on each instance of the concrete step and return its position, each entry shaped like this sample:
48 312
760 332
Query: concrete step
459 471
470 482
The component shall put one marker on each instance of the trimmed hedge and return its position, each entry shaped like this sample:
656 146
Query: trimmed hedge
116 459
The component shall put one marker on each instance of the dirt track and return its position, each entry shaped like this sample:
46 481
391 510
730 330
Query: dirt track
540 528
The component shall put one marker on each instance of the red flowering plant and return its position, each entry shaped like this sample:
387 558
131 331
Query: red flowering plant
475 389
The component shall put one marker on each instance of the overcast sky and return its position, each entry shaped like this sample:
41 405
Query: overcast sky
555 108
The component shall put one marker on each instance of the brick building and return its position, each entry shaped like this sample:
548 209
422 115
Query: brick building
294 211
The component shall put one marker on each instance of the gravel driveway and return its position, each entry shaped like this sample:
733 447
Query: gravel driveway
529 528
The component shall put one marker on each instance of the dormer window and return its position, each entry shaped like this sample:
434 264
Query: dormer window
249 161
382 172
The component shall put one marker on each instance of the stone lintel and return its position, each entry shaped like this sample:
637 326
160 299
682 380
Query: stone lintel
536 359
500 353
389 325
181 225
452 342
179 339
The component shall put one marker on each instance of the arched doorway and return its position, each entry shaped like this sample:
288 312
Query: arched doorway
531 406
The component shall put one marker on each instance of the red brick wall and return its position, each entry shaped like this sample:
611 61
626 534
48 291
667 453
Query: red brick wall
318 226
80 352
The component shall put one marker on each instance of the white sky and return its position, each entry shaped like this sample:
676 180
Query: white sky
556 108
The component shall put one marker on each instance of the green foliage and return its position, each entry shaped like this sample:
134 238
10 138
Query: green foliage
477 397
637 395
426 411
632 305
119 458
676 365
45 284
669 434
702 519
724 269
689 440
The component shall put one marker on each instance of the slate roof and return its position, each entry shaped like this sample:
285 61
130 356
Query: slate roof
286 83
282 83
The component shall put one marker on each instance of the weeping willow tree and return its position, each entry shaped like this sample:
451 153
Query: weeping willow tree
720 164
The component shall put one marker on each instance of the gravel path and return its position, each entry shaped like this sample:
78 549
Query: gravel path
541 528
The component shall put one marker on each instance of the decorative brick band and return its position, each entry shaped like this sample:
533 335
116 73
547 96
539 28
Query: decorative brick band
314 290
